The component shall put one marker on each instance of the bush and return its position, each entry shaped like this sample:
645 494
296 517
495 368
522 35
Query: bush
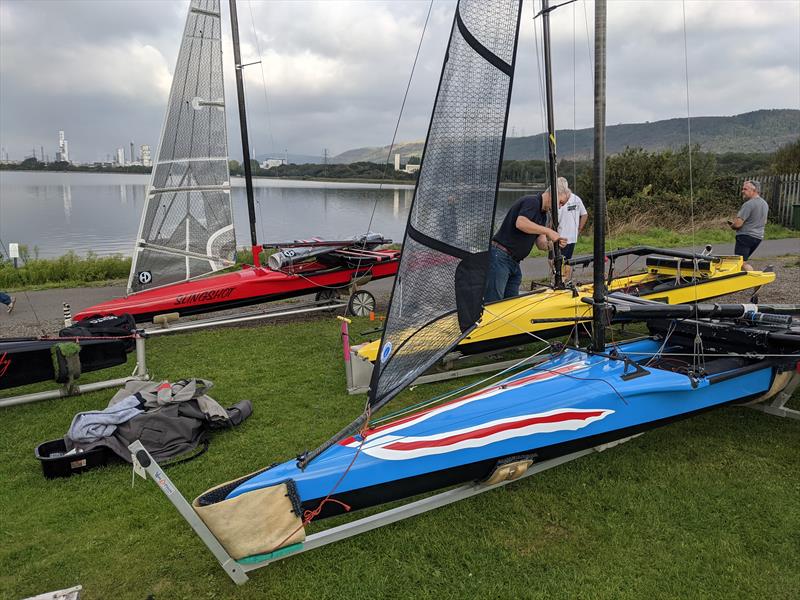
67 268
652 189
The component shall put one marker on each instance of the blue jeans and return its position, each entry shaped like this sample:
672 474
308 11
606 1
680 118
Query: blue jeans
504 277
5 298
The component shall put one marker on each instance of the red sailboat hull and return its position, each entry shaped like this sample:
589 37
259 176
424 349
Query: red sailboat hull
250 285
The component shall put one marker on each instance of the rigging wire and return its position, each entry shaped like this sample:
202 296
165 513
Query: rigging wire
263 77
540 81
400 115
394 135
450 394
588 44
699 362
267 108
574 109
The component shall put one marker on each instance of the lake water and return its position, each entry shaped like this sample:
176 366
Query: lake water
57 212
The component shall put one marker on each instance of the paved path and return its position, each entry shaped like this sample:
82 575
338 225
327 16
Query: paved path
43 309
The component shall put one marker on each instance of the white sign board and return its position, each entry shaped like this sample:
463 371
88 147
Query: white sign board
13 250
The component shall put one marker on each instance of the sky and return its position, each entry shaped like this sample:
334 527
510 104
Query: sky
336 71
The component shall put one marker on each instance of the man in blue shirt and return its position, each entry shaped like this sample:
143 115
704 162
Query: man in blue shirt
524 225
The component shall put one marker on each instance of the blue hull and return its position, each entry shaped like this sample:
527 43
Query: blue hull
572 401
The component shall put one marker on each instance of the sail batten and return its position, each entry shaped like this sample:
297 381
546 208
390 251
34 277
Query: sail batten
438 294
187 222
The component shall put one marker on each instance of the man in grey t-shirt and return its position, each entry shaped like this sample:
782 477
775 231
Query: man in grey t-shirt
750 221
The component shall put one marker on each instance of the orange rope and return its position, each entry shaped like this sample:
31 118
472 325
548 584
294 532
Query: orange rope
309 515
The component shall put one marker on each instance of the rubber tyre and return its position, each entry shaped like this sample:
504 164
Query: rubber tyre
326 295
361 304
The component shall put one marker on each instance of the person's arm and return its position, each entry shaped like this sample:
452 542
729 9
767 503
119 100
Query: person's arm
583 214
582 222
525 225
744 214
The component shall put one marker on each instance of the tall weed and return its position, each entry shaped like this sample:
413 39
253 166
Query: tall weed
68 268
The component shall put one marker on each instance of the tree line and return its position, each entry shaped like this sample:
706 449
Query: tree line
357 170
629 172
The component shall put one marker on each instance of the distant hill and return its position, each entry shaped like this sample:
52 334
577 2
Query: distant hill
294 159
379 154
758 131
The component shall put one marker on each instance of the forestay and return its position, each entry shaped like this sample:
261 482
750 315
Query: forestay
187 228
438 293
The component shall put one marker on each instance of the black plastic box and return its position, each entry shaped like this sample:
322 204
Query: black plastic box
56 463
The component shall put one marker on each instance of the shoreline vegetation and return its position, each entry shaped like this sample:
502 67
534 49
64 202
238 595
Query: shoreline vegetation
707 167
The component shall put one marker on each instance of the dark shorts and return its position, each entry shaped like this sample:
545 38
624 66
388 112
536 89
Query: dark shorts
566 252
746 245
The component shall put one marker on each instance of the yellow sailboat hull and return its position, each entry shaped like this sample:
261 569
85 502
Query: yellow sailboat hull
508 322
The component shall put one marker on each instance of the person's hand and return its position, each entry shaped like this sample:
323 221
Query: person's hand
562 242
553 236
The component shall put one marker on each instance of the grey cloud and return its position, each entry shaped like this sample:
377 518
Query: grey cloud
336 71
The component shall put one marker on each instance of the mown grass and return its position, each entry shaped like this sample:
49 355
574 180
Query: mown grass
702 508
662 237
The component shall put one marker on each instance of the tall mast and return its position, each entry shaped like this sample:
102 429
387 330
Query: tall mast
599 177
248 175
551 137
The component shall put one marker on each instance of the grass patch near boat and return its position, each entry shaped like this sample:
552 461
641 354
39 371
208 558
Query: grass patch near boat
700 508
661 237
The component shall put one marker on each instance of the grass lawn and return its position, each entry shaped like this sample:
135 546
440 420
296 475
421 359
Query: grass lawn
662 237
703 508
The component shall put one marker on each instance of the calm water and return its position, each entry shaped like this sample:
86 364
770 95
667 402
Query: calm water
57 212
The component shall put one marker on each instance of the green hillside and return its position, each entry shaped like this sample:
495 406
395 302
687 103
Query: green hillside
761 131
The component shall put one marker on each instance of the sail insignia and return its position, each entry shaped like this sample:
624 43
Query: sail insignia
438 295
186 229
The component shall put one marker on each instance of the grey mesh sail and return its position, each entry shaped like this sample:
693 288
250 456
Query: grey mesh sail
438 292
187 227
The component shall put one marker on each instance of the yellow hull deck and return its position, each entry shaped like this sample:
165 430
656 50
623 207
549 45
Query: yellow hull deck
508 322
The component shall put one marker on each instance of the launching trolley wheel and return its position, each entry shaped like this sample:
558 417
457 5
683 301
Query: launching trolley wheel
361 304
326 295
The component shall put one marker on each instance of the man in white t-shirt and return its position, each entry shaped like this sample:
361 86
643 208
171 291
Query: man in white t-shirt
572 217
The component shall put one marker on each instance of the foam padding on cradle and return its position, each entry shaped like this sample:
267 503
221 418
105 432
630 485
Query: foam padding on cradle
256 522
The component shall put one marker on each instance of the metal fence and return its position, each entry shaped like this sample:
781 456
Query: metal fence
781 192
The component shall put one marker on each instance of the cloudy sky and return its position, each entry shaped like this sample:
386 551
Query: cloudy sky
336 71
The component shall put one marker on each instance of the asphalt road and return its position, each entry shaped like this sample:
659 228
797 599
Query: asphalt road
41 312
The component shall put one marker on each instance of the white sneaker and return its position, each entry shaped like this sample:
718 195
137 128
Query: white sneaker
13 302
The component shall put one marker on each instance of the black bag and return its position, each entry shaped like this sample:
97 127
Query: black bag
99 326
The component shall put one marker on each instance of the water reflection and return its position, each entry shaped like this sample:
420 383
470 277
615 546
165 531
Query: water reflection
66 198
285 210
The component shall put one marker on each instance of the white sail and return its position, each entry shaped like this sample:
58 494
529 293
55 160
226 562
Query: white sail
187 226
